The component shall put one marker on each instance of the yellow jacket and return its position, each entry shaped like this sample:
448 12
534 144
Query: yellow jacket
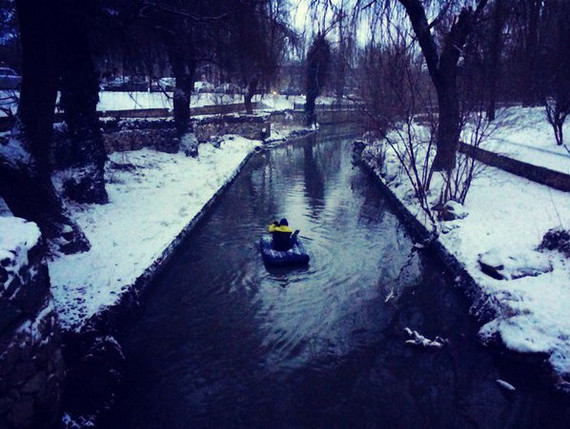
279 228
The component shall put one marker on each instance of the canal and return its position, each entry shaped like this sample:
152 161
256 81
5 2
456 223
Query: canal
222 341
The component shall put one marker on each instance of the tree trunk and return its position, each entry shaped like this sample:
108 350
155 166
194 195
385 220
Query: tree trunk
499 19
79 97
448 128
318 62
531 96
251 89
180 49
25 174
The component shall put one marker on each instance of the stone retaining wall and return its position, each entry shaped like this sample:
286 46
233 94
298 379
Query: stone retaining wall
120 135
31 363
324 117
257 127
124 135
541 175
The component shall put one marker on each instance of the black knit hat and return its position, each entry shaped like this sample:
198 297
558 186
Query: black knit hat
283 222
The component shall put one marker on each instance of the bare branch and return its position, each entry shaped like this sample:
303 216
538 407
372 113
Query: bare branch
179 12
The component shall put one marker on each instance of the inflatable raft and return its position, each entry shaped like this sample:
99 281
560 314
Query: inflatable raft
297 255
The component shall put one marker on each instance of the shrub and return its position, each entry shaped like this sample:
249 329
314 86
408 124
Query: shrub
556 239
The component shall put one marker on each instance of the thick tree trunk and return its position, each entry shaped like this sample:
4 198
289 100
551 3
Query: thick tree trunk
25 173
499 19
318 62
79 97
181 56
531 96
251 90
310 115
448 129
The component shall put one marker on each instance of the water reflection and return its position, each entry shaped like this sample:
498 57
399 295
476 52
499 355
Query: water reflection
224 342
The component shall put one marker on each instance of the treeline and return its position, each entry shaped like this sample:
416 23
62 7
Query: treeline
63 44
397 58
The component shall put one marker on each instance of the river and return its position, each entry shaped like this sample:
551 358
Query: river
222 341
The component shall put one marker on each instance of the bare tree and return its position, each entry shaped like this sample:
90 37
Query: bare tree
530 11
555 80
396 97
318 62
442 64
399 96
256 34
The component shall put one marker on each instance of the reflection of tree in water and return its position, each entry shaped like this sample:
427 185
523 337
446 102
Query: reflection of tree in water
314 180
260 179
321 165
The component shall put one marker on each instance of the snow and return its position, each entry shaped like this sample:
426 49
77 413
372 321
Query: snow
111 100
14 153
17 237
16 232
506 385
418 339
124 100
507 218
153 196
533 143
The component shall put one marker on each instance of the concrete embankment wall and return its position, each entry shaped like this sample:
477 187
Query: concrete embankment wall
541 175
431 247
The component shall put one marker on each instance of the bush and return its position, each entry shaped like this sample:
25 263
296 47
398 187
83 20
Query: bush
556 239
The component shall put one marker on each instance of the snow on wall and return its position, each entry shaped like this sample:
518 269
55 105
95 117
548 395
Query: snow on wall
17 238
31 365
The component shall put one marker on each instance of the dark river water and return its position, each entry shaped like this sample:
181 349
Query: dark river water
221 341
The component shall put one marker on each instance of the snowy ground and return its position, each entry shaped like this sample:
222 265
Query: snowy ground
507 218
153 196
532 142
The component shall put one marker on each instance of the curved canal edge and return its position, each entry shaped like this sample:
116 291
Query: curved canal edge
537 363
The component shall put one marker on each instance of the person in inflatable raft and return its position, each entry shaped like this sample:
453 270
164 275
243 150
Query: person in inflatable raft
283 236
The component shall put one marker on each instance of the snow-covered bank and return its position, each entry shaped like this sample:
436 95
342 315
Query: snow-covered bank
153 197
525 135
507 219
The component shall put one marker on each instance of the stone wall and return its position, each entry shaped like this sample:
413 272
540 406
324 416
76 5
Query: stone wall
541 175
121 135
324 117
256 127
31 364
